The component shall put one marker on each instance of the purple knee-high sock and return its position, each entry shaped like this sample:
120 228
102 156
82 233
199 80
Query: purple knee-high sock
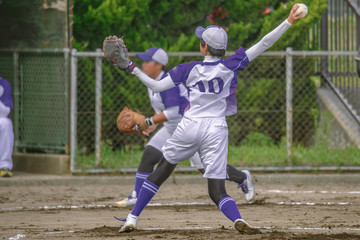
139 180
147 192
228 206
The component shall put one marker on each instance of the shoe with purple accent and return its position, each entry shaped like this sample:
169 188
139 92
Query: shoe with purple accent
130 224
243 227
127 202
247 186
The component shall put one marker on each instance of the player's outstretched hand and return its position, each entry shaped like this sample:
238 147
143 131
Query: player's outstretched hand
115 51
293 16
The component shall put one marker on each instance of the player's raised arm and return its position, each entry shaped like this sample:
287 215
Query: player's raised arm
115 51
156 86
268 40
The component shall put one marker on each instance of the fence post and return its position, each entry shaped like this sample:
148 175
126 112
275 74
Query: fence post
357 58
358 43
289 107
98 107
324 45
66 94
73 109
16 100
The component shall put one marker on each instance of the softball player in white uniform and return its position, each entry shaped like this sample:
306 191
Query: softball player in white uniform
6 129
203 129
169 106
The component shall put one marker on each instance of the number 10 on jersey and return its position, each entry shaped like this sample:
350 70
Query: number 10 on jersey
215 85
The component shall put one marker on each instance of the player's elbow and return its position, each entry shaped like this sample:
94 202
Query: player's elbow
266 43
155 89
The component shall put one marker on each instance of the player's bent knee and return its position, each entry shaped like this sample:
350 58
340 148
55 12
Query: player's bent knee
162 172
149 159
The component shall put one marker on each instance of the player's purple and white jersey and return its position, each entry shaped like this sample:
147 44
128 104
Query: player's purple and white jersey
5 93
6 103
212 84
176 96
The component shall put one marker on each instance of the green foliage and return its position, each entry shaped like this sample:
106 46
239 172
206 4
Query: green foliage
296 36
257 139
245 20
238 33
144 23
171 24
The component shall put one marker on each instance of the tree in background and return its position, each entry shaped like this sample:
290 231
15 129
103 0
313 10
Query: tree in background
170 24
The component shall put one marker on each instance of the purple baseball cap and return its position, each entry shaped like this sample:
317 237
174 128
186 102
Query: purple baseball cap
154 54
214 36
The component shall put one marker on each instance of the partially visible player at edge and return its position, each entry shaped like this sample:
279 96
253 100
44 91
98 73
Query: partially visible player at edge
203 129
169 106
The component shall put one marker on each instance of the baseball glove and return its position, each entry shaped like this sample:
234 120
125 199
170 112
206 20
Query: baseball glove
131 122
115 51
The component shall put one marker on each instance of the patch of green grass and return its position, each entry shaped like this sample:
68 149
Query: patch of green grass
239 156
324 156
111 159
252 156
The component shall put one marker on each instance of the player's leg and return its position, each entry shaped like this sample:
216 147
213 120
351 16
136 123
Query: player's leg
213 153
6 149
234 175
179 147
217 193
243 179
227 205
151 156
148 190
152 184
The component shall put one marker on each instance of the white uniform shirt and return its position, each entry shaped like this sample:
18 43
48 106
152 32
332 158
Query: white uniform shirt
212 84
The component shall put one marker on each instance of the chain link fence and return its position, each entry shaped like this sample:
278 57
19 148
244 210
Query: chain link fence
282 102
40 94
68 103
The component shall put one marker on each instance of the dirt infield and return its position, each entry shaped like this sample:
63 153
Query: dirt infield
287 206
